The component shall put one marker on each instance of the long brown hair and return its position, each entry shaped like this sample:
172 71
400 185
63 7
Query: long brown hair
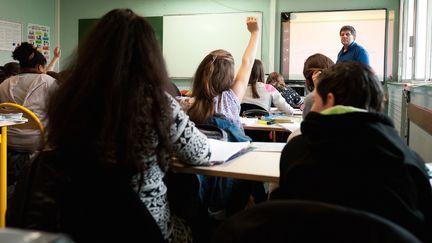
112 97
214 75
257 75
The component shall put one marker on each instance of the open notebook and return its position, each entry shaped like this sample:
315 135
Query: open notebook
13 117
222 151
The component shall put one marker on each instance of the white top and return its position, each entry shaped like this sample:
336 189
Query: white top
32 91
268 94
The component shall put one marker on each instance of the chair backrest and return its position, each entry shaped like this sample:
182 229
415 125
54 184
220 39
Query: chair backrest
248 110
306 221
213 132
33 121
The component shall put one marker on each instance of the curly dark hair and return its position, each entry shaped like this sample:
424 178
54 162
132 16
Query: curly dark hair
114 93
28 56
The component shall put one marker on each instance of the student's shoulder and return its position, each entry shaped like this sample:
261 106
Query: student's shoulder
270 88
358 47
47 78
229 96
296 146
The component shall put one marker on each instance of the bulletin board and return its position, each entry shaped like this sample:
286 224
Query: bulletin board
10 35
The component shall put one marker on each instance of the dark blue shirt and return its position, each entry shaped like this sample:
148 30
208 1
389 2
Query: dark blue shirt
355 53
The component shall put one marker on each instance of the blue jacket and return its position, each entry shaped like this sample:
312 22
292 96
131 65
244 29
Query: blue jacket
235 134
220 194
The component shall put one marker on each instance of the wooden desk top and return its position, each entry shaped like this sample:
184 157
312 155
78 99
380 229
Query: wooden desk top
253 165
263 127
277 127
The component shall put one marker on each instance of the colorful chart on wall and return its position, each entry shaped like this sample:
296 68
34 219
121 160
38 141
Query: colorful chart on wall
39 36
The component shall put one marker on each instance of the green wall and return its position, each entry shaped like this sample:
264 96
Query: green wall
71 11
40 12
43 12
85 25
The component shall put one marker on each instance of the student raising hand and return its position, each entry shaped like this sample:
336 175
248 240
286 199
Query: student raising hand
242 78
57 55
252 24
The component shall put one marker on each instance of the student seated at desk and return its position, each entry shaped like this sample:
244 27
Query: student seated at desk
261 94
349 153
112 131
30 88
217 92
290 95
8 70
311 70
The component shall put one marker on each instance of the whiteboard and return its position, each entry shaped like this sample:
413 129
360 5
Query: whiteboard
318 32
187 39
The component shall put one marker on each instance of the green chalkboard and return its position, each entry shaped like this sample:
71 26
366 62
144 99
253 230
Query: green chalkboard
84 26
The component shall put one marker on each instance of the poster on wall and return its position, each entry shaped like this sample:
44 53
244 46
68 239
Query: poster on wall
38 35
10 35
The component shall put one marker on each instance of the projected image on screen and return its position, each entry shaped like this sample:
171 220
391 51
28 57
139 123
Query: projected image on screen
307 33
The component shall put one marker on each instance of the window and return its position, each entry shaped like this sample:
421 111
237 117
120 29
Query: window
416 39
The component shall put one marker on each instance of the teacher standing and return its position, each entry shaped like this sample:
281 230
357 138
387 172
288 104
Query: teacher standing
351 51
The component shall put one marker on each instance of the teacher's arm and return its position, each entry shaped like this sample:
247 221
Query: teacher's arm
241 80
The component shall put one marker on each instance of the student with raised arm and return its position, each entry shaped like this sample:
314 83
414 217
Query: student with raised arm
217 93
57 55
30 88
215 88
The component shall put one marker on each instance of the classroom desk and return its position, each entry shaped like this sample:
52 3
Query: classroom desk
277 127
275 111
3 168
253 165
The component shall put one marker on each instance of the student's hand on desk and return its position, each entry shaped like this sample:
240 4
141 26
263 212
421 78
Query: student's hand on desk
252 24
